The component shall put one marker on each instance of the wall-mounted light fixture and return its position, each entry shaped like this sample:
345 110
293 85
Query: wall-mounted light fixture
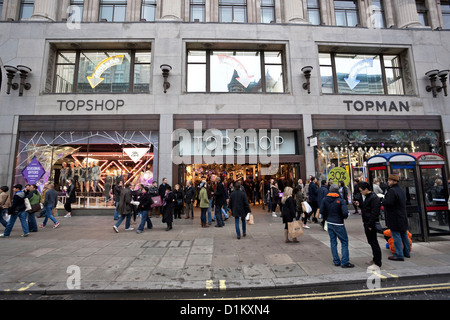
165 68
307 72
432 76
24 71
10 74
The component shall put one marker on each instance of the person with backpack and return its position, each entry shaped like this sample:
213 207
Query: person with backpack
334 211
17 210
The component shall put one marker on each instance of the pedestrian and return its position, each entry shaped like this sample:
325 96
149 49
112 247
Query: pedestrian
50 202
17 210
145 202
178 208
288 212
219 200
275 198
124 209
321 194
370 213
343 191
44 190
163 188
312 193
5 203
204 203
35 198
240 207
169 204
356 194
189 197
71 198
396 219
116 198
299 199
153 191
334 212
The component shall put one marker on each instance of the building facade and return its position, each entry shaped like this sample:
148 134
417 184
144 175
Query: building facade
319 84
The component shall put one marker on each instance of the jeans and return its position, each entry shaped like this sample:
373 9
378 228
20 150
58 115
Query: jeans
23 220
218 214
32 224
401 243
127 221
145 218
338 231
209 211
116 213
236 222
203 214
2 217
48 215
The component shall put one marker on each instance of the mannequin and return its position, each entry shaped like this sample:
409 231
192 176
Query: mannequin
63 173
88 177
95 176
82 178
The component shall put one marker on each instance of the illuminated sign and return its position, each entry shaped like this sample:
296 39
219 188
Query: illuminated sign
96 77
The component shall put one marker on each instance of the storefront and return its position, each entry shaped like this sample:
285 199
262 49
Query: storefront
347 142
95 152
238 147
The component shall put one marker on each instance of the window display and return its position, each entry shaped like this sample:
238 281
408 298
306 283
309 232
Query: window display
95 161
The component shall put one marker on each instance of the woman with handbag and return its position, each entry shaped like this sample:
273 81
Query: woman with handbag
35 201
168 207
300 206
288 212
178 208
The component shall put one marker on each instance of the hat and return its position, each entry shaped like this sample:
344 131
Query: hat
394 177
334 188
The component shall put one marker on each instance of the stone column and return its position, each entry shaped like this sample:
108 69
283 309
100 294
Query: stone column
388 13
309 151
45 10
171 10
433 13
293 11
406 14
165 147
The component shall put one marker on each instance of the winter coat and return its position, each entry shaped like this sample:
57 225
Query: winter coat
321 194
18 203
239 204
51 198
178 198
312 189
5 200
203 198
168 208
288 213
219 195
334 209
124 207
299 198
71 198
189 194
370 210
145 202
395 209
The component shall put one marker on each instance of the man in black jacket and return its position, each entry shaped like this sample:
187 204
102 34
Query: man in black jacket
17 210
370 212
189 197
396 219
239 208
219 201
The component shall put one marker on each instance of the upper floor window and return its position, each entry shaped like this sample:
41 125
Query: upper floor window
314 12
1 9
349 73
148 11
233 10
267 11
197 11
26 9
113 10
445 8
422 12
378 14
346 13
235 71
106 71
76 12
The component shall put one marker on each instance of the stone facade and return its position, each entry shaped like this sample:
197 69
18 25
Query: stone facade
30 43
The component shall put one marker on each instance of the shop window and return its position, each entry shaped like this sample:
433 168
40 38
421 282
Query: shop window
349 149
347 73
233 11
267 11
346 13
86 71
314 12
95 161
422 12
235 71
445 8
378 14
197 11
148 11
26 9
113 10
76 13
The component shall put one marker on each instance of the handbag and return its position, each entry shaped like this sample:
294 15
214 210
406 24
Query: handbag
295 229
251 220
27 205
157 202
308 208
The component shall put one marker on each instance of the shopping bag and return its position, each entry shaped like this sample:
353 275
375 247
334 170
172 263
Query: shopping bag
27 205
247 217
308 208
251 220
295 229
325 226
157 202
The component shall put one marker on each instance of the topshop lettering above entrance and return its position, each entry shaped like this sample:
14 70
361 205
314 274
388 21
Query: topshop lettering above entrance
90 105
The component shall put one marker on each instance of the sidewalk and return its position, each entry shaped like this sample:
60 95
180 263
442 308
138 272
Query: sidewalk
193 258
